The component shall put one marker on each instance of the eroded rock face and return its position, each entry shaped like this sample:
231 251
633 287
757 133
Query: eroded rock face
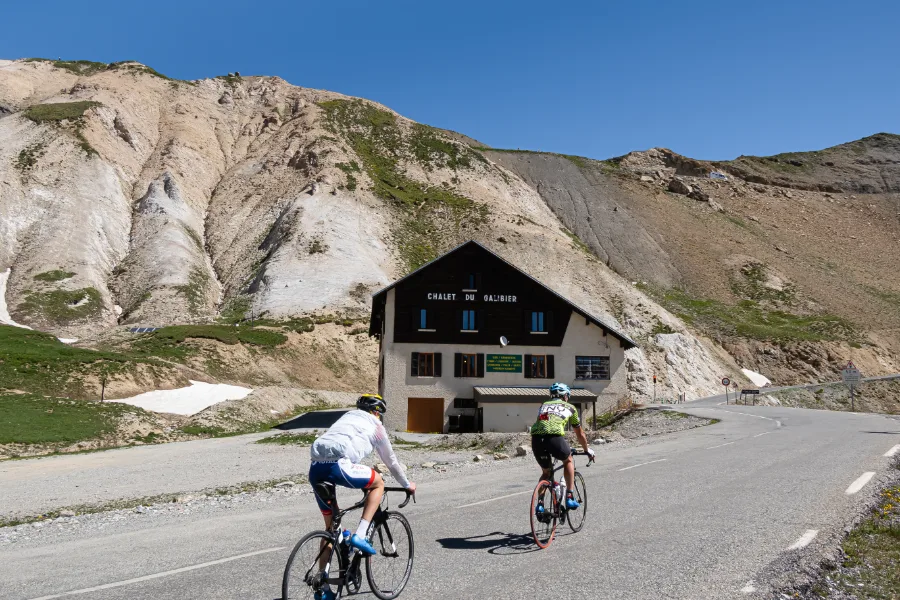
174 200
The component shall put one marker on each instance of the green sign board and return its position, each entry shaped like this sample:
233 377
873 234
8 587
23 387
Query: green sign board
504 363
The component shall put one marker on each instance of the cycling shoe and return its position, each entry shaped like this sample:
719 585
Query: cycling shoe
362 544
325 594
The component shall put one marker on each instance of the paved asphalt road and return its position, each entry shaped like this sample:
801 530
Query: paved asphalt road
699 514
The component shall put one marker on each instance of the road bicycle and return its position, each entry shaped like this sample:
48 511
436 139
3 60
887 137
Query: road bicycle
321 558
550 495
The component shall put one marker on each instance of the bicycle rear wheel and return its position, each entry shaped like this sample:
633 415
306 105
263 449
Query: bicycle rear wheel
543 525
389 569
311 566
579 492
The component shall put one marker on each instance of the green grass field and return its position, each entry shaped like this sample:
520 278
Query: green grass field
871 568
37 362
58 111
751 320
30 419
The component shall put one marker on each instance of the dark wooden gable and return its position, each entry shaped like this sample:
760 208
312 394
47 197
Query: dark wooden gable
503 301
497 297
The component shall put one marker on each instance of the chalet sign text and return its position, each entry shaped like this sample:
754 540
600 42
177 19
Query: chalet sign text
471 297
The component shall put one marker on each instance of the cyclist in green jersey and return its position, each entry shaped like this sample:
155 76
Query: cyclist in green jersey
548 437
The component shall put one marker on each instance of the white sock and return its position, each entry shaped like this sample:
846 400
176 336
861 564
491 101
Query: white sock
363 528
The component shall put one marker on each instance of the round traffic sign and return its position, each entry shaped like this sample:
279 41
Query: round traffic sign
726 382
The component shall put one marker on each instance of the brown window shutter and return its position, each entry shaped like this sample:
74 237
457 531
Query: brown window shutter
415 364
550 371
437 364
480 365
526 366
457 365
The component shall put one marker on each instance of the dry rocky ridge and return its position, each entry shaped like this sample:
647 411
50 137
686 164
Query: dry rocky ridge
132 199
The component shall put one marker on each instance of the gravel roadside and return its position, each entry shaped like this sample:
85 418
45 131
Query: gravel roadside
121 481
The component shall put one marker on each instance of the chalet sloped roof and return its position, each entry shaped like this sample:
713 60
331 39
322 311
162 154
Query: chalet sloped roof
378 300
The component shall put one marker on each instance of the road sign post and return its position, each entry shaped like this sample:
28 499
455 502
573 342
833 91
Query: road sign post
726 382
851 377
745 393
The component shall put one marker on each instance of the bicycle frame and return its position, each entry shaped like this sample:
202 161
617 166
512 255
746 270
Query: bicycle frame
561 507
350 558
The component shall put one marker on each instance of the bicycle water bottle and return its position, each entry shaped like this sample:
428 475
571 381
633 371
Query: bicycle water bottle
345 536
561 490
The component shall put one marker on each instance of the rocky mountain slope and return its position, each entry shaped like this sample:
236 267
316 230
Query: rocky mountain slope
128 198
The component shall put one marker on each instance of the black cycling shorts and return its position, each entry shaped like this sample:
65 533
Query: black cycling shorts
548 447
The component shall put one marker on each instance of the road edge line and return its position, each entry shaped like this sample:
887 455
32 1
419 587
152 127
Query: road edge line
860 483
125 582
805 540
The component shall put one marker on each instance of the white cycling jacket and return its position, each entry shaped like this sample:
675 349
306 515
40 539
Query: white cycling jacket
353 437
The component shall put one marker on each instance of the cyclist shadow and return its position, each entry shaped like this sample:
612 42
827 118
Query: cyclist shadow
494 543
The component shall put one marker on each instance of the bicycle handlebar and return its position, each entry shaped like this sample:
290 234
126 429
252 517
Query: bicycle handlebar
591 459
404 490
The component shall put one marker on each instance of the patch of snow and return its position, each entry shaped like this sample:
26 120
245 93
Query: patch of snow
68 340
5 319
187 400
757 379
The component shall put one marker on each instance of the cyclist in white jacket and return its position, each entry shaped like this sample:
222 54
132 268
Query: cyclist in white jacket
336 456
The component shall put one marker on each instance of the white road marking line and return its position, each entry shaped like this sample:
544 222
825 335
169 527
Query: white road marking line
759 434
642 464
804 540
719 446
734 412
497 498
163 574
749 588
749 415
892 451
860 483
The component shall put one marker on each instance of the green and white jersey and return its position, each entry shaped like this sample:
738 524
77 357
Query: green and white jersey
553 418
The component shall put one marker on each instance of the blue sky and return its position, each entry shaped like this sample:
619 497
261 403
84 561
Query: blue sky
708 79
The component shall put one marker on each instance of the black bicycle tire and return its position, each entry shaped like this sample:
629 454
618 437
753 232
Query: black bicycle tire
285 580
533 517
581 510
370 577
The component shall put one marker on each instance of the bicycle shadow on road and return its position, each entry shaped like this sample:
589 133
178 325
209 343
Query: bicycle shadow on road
495 543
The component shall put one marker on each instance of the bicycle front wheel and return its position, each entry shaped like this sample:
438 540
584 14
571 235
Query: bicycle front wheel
543 522
576 517
311 567
389 569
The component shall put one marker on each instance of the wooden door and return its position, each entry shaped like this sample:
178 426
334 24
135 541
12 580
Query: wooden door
425 415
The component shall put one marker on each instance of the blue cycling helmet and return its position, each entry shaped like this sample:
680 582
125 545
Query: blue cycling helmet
558 390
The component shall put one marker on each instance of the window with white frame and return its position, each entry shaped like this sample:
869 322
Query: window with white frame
592 367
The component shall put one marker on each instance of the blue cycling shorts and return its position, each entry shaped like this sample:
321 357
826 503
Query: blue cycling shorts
342 472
